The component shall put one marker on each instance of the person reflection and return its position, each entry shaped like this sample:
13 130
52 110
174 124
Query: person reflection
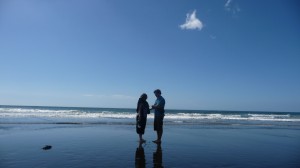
157 157
140 161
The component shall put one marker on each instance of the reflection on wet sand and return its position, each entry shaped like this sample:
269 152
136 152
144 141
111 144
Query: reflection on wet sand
157 157
140 161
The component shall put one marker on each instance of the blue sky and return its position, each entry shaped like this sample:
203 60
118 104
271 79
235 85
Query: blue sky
202 54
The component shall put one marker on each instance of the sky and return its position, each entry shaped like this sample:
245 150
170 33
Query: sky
202 54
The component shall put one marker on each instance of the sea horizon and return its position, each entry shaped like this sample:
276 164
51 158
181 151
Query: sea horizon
167 109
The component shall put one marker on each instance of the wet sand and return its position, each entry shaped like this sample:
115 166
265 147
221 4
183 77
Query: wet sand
117 146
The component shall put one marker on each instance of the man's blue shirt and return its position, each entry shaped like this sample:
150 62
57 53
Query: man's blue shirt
160 102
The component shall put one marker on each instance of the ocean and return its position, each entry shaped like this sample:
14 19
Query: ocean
115 116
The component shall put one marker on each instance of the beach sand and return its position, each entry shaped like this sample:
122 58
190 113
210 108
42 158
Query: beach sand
117 146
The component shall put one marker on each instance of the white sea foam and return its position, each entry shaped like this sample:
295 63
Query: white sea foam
71 114
258 117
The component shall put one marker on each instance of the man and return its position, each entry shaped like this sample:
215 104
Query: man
159 113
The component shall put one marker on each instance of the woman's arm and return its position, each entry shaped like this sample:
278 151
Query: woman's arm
140 111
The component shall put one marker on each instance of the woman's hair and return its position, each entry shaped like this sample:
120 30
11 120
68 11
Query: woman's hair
144 96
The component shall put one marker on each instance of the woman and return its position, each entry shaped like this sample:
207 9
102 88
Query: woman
141 118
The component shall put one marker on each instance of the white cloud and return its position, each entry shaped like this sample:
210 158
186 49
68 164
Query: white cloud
88 95
92 95
120 96
232 7
192 22
227 5
213 37
114 96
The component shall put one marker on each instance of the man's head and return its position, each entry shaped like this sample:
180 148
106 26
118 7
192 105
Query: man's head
157 92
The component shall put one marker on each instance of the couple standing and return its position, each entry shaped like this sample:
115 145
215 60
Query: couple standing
159 113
